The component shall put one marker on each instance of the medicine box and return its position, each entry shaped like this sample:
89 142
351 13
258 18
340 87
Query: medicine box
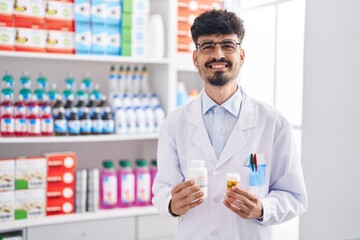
82 9
83 39
7 175
113 12
59 15
132 20
7 38
30 173
136 6
6 9
60 42
29 13
30 203
7 206
113 46
98 39
98 11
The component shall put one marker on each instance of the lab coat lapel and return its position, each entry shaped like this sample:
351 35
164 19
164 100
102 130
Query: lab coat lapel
200 137
237 140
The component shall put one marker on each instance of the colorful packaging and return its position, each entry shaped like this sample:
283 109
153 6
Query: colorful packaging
7 206
7 175
30 173
30 203
83 39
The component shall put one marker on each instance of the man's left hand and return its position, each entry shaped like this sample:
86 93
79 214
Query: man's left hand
243 203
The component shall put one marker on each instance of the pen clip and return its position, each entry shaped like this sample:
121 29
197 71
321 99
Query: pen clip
252 162
255 162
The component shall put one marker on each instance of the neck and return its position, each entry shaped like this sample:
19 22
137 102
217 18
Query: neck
220 94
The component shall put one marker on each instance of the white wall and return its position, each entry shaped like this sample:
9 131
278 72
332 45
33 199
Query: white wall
331 120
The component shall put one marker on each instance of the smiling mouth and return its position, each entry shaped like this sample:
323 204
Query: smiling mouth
218 65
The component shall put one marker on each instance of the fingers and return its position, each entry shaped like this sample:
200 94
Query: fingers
185 196
182 185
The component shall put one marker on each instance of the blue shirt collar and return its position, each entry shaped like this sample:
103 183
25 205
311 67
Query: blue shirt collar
232 105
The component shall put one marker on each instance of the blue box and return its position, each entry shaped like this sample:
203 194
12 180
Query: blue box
99 39
83 40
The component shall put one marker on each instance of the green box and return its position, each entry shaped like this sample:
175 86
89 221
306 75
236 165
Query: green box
126 35
126 49
127 20
127 6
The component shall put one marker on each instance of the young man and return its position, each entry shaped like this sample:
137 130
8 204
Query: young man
226 128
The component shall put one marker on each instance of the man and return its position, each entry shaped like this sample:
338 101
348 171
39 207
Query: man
226 128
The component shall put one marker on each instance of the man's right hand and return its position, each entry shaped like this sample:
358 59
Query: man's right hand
185 196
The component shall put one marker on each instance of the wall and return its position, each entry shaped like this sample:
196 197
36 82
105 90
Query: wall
331 120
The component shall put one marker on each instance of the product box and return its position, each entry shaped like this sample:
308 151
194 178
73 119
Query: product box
83 39
59 15
29 13
98 39
30 203
57 207
7 201
113 12
138 35
113 46
6 10
30 173
98 11
82 9
61 161
60 42
132 20
135 49
136 6
7 174
30 40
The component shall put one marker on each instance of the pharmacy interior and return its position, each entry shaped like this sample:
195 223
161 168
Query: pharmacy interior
85 85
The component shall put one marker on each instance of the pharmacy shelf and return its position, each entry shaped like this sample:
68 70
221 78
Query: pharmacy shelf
73 139
79 217
87 58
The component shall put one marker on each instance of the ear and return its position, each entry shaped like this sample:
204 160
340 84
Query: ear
194 56
242 56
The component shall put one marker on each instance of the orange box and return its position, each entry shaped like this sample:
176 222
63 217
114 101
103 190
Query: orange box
29 14
56 207
59 15
61 161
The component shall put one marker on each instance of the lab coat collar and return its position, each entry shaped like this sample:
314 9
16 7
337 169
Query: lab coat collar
236 139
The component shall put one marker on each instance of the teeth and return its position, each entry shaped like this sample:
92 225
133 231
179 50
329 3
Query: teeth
218 66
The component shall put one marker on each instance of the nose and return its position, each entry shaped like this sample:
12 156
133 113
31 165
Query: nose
218 52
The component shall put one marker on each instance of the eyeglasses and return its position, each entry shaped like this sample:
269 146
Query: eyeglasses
228 46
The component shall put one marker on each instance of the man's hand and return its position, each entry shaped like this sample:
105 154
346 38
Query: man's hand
243 203
185 196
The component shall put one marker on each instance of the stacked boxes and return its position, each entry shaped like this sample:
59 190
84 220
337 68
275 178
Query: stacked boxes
30 185
59 16
61 183
134 29
188 10
82 27
7 30
7 187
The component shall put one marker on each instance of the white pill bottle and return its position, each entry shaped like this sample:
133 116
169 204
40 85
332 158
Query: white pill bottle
199 174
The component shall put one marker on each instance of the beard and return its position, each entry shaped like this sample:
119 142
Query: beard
219 79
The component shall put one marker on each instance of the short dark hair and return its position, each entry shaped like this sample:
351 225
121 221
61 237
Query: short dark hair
217 22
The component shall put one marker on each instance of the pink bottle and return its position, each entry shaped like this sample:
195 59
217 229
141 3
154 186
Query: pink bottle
6 113
153 171
108 185
126 184
33 118
142 183
20 117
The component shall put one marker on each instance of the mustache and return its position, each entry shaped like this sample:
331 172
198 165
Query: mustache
218 60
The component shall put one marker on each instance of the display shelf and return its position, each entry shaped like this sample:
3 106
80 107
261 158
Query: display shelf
79 217
87 58
89 138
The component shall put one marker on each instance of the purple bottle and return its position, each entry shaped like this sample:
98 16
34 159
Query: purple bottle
153 171
142 183
108 185
126 184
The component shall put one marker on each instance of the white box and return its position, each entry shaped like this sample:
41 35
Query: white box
30 173
7 206
30 203
7 175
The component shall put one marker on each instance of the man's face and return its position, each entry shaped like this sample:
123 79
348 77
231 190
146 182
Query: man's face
218 68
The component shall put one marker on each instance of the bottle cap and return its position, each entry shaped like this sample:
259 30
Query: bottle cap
124 163
141 162
197 163
108 164
154 163
233 177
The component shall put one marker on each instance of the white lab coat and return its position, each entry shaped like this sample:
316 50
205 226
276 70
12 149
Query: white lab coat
260 129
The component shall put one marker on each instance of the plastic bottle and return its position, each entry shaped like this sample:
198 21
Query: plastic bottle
149 119
97 124
126 101
128 80
56 106
135 81
142 183
112 84
198 173
108 122
153 171
80 103
47 122
53 94
115 102
69 104
74 123
120 121
108 185
7 80
159 115
85 122
87 84
154 100
135 101
181 94
91 105
25 80
232 179
121 81
144 80
130 120
96 92
42 82
157 36
103 104
126 184
33 118
145 100
6 112
60 123
20 117
140 120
